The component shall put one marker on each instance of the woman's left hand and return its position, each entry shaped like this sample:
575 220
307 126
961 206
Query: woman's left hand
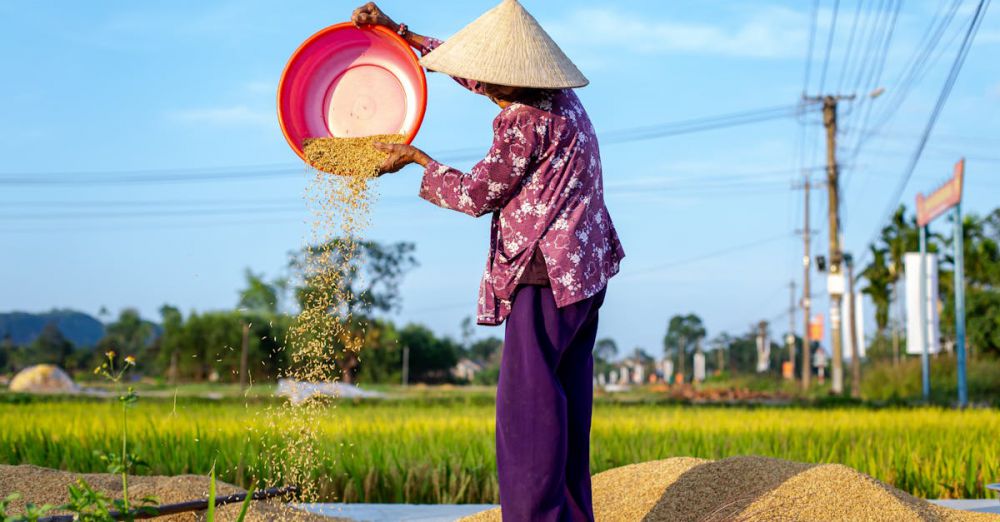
399 156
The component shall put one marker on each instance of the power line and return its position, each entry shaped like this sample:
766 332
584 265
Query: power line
161 226
829 44
700 124
709 255
160 213
875 75
809 51
757 179
946 89
850 46
242 173
871 44
148 176
914 68
869 72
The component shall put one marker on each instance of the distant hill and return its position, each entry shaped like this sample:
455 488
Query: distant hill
81 329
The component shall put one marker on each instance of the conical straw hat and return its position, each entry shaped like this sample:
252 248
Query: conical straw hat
506 46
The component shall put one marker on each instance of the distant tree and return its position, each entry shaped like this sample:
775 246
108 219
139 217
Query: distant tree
981 252
468 330
720 346
642 356
605 349
431 358
381 358
368 274
879 289
743 352
486 350
6 352
170 341
683 334
130 334
981 239
51 346
370 278
258 295
900 236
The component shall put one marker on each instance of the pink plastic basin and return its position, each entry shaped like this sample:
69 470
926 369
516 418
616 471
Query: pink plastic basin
348 82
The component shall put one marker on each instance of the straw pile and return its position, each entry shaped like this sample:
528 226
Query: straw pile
49 486
348 156
751 489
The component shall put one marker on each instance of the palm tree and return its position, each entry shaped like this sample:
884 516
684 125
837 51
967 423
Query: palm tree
880 281
683 332
899 237
981 268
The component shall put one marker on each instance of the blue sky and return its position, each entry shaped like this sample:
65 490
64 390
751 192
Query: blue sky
129 87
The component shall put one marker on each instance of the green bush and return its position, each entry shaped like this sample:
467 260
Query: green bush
884 381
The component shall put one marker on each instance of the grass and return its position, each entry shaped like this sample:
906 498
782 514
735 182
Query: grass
442 451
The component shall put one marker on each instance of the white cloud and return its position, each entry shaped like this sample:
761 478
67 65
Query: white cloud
773 32
223 116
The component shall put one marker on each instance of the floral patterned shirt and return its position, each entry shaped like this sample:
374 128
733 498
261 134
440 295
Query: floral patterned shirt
541 180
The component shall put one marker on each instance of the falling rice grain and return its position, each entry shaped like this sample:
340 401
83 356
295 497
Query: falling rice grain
324 332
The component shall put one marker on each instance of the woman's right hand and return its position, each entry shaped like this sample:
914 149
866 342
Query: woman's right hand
370 14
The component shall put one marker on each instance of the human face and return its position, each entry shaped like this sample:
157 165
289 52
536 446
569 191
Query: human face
502 95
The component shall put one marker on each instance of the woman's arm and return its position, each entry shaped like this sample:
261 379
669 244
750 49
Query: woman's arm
490 183
371 14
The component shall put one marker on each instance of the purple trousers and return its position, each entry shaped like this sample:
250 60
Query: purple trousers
544 400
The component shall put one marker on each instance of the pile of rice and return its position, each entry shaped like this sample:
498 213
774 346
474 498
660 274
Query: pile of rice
49 486
751 489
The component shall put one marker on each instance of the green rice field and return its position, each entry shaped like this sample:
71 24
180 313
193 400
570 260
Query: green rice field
422 451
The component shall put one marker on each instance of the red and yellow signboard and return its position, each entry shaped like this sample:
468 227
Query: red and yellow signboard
816 328
942 199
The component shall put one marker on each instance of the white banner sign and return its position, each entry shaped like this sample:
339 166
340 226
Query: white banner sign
914 337
763 353
859 324
699 367
667 367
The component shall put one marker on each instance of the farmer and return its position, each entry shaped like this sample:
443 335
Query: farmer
552 247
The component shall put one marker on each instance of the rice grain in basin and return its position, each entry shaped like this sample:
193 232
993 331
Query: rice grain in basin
348 156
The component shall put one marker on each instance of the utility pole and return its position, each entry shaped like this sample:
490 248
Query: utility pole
406 366
244 356
790 339
835 281
806 261
853 330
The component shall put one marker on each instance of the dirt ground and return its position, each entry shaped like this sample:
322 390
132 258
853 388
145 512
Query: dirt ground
48 486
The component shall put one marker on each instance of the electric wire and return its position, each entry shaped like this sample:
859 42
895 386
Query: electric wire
708 255
241 173
829 45
850 46
956 67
